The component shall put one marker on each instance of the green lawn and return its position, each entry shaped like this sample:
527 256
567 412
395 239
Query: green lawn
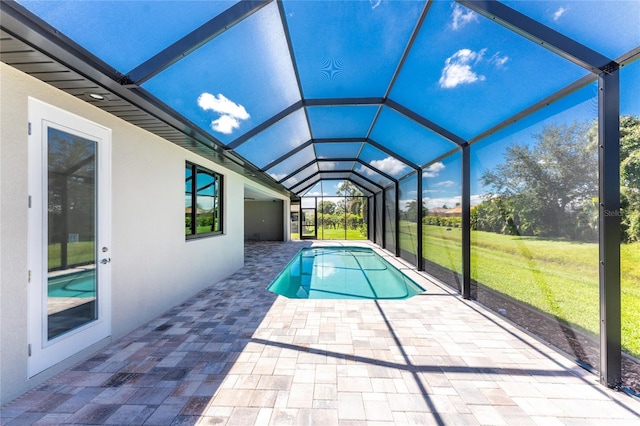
335 234
77 253
558 277
338 234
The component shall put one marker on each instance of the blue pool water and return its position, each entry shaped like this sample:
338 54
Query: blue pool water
342 273
77 284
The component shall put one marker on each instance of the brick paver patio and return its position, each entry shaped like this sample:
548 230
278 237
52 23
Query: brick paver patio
236 354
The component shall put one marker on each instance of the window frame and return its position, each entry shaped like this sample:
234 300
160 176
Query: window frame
219 179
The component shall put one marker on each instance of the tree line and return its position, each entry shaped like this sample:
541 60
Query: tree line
349 211
550 189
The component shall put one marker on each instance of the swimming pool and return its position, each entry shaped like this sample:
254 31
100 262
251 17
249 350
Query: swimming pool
342 273
77 284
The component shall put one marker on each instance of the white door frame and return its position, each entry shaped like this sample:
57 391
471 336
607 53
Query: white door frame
44 353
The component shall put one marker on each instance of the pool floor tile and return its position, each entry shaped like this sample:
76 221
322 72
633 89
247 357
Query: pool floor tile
236 353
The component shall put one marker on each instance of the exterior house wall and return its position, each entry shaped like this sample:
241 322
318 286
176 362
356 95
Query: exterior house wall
263 221
153 267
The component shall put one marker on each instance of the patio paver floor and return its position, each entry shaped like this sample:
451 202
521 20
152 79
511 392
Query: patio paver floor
236 354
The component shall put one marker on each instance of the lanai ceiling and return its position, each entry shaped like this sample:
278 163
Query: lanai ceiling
291 93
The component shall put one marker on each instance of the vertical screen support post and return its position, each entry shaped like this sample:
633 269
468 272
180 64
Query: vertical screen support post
609 221
419 254
397 217
466 222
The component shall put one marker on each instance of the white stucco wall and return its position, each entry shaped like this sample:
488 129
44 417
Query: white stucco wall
153 267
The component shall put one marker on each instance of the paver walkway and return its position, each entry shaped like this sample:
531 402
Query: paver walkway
236 354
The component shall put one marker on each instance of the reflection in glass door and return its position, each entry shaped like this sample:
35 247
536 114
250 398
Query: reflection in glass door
71 234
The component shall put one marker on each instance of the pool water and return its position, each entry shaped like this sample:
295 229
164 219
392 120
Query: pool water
77 284
342 273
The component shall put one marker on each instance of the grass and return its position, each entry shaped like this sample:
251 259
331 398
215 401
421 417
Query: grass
555 276
77 253
338 234
335 234
630 297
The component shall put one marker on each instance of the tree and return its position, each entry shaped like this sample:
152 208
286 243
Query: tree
326 220
630 177
630 152
347 188
353 201
543 186
71 186
327 207
411 213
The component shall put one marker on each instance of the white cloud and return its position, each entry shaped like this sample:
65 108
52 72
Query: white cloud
499 61
375 3
457 68
433 203
230 113
330 165
389 165
433 170
445 183
222 105
278 176
365 170
324 269
292 181
225 124
558 13
476 199
461 16
317 194
451 201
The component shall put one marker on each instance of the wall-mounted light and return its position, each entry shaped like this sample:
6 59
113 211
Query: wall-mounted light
96 96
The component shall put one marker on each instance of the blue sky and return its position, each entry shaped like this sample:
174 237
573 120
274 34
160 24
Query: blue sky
464 72
589 22
442 180
119 31
474 69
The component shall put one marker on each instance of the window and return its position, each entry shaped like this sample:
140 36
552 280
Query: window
202 202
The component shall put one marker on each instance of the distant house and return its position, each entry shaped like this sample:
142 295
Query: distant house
442 212
187 210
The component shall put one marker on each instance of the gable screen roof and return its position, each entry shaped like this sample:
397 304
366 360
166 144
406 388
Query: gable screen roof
294 92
